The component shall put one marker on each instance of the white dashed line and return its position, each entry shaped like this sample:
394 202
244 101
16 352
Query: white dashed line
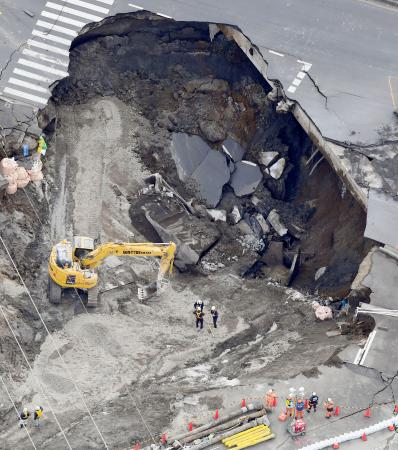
50 48
163 15
28 85
33 76
51 26
43 57
52 37
63 19
41 67
86 5
25 95
74 12
306 66
276 53
136 6
107 2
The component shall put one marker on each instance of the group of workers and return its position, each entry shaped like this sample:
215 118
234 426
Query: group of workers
25 414
199 314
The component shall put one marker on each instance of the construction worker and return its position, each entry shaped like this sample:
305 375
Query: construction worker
214 314
329 405
198 304
23 417
199 317
299 408
271 399
290 405
313 402
37 415
41 146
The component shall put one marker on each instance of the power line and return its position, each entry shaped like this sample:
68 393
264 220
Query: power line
16 410
37 378
54 344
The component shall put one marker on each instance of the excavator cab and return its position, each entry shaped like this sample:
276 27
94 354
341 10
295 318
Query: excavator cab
81 246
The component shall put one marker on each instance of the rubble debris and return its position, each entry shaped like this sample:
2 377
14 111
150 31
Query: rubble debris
274 254
266 158
277 169
274 220
217 215
319 273
322 312
246 178
212 131
233 149
235 215
200 165
192 236
263 224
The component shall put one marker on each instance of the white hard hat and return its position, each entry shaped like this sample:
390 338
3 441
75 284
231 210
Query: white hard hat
269 391
37 408
329 400
213 308
200 302
314 393
198 308
25 410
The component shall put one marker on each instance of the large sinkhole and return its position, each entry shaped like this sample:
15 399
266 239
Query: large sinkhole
257 197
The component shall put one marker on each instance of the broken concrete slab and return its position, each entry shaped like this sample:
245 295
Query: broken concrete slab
274 220
201 167
235 215
263 224
192 236
266 158
277 169
319 273
233 149
246 178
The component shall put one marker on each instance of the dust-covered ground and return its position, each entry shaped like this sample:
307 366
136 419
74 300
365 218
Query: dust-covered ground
125 371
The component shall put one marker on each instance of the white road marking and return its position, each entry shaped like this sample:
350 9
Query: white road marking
32 98
51 37
28 85
51 26
108 2
50 48
86 5
276 53
63 19
47 58
41 67
306 66
163 15
34 76
367 347
74 12
136 6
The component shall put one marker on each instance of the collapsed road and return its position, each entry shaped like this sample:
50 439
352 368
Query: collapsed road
160 133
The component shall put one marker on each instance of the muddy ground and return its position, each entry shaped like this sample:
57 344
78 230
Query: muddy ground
136 365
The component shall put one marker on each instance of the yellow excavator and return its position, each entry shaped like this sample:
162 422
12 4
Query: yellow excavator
72 264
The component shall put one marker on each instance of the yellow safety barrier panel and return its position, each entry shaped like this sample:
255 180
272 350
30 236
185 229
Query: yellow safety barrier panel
253 436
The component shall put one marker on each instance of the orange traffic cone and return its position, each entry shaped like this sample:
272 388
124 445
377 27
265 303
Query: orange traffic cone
336 445
243 404
190 426
337 411
164 438
367 413
137 446
363 437
216 415
391 427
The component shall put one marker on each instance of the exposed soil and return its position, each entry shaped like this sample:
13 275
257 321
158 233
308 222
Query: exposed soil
134 80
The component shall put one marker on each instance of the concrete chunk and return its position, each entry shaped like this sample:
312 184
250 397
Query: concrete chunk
233 149
277 169
266 158
217 215
263 224
274 220
246 178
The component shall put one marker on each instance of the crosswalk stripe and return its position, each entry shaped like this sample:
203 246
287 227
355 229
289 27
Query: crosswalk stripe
108 2
33 76
28 85
50 48
74 12
41 67
51 37
47 58
63 19
86 5
32 98
51 26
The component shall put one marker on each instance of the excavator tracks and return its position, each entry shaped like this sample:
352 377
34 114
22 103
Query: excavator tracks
92 297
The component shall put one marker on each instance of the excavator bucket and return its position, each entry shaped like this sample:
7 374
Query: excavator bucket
148 291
